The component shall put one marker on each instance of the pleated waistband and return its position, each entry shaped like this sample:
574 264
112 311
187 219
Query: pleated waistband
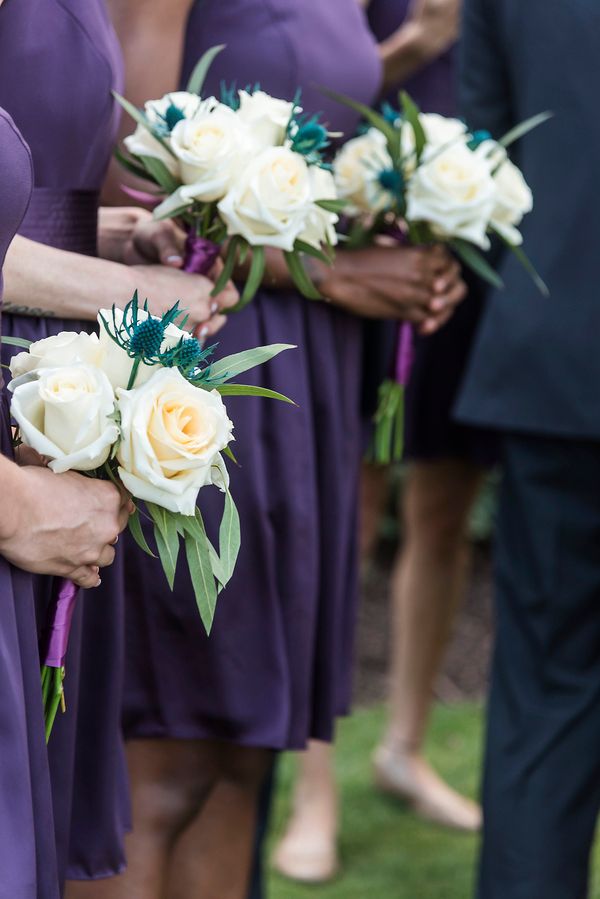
65 219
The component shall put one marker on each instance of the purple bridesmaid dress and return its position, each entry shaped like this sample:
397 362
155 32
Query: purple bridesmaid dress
440 360
27 850
58 62
276 668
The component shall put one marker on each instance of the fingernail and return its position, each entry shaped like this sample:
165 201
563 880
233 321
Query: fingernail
214 307
203 332
438 304
174 260
440 285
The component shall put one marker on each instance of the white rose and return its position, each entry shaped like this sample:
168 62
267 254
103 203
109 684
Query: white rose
60 349
356 169
64 414
266 117
211 148
172 434
514 200
320 224
114 361
142 143
271 200
453 191
440 131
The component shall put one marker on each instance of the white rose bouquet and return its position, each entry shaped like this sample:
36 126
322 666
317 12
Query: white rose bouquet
424 178
246 169
140 404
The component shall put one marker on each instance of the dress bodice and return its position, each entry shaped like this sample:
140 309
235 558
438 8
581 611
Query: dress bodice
434 87
59 60
284 46
15 183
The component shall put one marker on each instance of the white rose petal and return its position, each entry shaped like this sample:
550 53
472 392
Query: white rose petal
211 148
64 414
142 143
454 192
514 200
265 116
356 170
55 351
114 361
172 434
271 200
440 131
320 224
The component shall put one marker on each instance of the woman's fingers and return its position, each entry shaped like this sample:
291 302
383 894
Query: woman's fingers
86 577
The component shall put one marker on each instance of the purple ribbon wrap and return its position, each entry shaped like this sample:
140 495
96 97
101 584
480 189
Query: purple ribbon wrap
62 609
200 254
405 354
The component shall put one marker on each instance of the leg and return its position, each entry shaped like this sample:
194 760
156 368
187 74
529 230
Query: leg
308 851
265 803
374 491
428 586
212 858
170 781
542 778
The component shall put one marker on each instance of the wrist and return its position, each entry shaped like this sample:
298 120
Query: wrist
14 494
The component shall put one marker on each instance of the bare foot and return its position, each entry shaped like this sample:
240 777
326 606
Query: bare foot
409 777
308 850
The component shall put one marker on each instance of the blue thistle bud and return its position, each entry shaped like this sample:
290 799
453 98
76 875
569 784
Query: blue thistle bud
478 138
147 337
391 181
310 138
190 353
173 115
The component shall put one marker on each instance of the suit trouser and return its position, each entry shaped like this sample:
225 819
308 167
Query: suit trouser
542 771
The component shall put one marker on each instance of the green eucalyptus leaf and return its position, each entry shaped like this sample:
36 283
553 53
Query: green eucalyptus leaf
231 366
254 279
302 247
137 533
524 128
411 114
335 206
527 265
473 259
160 173
16 341
378 121
229 537
228 266
201 574
251 390
167 539
229 453
198 76
131 165
300 277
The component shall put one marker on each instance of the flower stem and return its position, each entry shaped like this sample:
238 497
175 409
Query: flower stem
133 375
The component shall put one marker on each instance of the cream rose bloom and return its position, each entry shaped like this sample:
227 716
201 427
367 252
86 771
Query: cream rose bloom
58 350
454 192
356 169
266 117
142 143
514 200
211 148
440 131
114 361
271 200
320 224
172 435
64 414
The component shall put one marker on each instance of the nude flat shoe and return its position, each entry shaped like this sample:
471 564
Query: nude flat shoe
411 779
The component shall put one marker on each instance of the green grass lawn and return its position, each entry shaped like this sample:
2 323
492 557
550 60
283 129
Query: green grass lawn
387 852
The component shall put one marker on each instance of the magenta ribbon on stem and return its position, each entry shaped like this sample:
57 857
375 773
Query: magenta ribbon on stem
59 628
200 254
405 348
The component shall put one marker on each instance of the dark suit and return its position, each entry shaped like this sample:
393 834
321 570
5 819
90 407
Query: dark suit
535 375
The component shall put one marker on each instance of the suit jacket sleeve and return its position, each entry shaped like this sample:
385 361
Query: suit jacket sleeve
485 89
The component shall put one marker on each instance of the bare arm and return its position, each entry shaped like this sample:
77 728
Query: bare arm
151 33
44 281
429 30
